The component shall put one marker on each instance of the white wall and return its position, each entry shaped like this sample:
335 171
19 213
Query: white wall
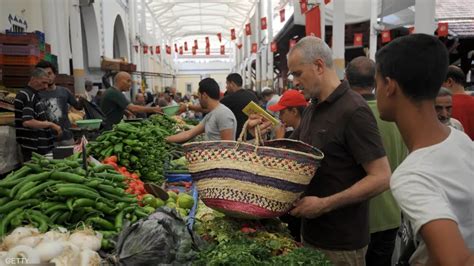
29 10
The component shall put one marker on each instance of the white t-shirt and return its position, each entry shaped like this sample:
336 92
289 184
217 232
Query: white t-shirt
437 182
217 120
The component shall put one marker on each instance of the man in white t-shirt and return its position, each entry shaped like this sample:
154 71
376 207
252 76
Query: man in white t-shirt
434 185
219 124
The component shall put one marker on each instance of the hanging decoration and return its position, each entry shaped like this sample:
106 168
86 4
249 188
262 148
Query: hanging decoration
207 42
358 38
208 50
248 29
239 45
157 50
443 29
219 36
168 49
274 46
254 47
327 1
196 44
263 23
282 15
145 49
222 50
386 36
151 49
185 46
175 48
136 48
181 50
194 50
313 22
304 6
232 34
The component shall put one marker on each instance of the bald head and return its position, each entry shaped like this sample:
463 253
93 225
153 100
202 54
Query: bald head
312 48
360 73
123 81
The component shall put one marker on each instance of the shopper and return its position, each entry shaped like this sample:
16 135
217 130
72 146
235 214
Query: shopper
57 100
443 106
140 100
114 103
463 103
33 130
354 169
384 213
289 108
218 124
269 97
434 185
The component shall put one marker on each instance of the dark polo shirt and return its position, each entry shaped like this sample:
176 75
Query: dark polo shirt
345 130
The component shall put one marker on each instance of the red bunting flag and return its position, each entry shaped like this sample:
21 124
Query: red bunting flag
304 6
136 48
151 49
175 48
196 44
239 46
232 34
358 38
185 46
443 29
194 50
263 22
292 43
208 50
248 29
327 1
157 50
207 42
282 15
181 50
168 49
222 50
411 30
274 47
145 49
254 47
386 36
219 36
313 22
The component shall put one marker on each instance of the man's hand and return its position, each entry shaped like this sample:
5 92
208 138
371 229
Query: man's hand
280 131
157 109
182 108
255 120
310 207
57 129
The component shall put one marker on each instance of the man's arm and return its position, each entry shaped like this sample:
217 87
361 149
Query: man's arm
186 135
445 243
143 109
376 181
33 123
227 134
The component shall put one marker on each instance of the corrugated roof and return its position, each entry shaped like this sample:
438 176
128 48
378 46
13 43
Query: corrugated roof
459 14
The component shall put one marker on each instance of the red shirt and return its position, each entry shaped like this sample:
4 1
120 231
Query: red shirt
463 110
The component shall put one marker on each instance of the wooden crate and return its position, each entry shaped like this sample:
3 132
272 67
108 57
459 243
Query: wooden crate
15 82
18 71
19 60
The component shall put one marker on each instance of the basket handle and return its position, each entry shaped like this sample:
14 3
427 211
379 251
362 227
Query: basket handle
243 134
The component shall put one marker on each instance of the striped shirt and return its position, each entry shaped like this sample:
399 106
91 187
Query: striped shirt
27 107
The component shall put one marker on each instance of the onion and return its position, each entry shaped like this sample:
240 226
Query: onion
30 241
89 258
54 235
70 256
20 232
49 250
26 252
86 239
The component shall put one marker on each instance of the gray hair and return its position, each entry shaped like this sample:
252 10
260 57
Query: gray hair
312 48
444 92
39 73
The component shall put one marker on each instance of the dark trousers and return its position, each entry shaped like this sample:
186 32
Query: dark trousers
381 248
294 225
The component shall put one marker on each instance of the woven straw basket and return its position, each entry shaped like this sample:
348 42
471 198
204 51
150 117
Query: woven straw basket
244 180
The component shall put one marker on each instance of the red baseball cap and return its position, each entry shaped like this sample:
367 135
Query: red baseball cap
291 98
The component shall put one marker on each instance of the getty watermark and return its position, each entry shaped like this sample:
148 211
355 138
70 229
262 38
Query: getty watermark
16 261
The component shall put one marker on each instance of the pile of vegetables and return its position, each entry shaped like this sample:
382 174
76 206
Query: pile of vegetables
139 146
59 246
51 193
249 242
134 184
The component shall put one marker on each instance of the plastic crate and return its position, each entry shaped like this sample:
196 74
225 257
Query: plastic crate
19 60
18 71
15 82
47 48
40 35
42 46
26 38
30 49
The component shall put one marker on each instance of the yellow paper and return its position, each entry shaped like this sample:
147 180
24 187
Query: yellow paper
253 108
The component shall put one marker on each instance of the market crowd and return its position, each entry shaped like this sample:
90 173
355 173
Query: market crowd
396 184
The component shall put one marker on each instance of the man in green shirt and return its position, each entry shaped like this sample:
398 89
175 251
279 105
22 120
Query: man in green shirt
384 213
114 103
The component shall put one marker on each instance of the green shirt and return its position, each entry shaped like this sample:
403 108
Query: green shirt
384 212
113 105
